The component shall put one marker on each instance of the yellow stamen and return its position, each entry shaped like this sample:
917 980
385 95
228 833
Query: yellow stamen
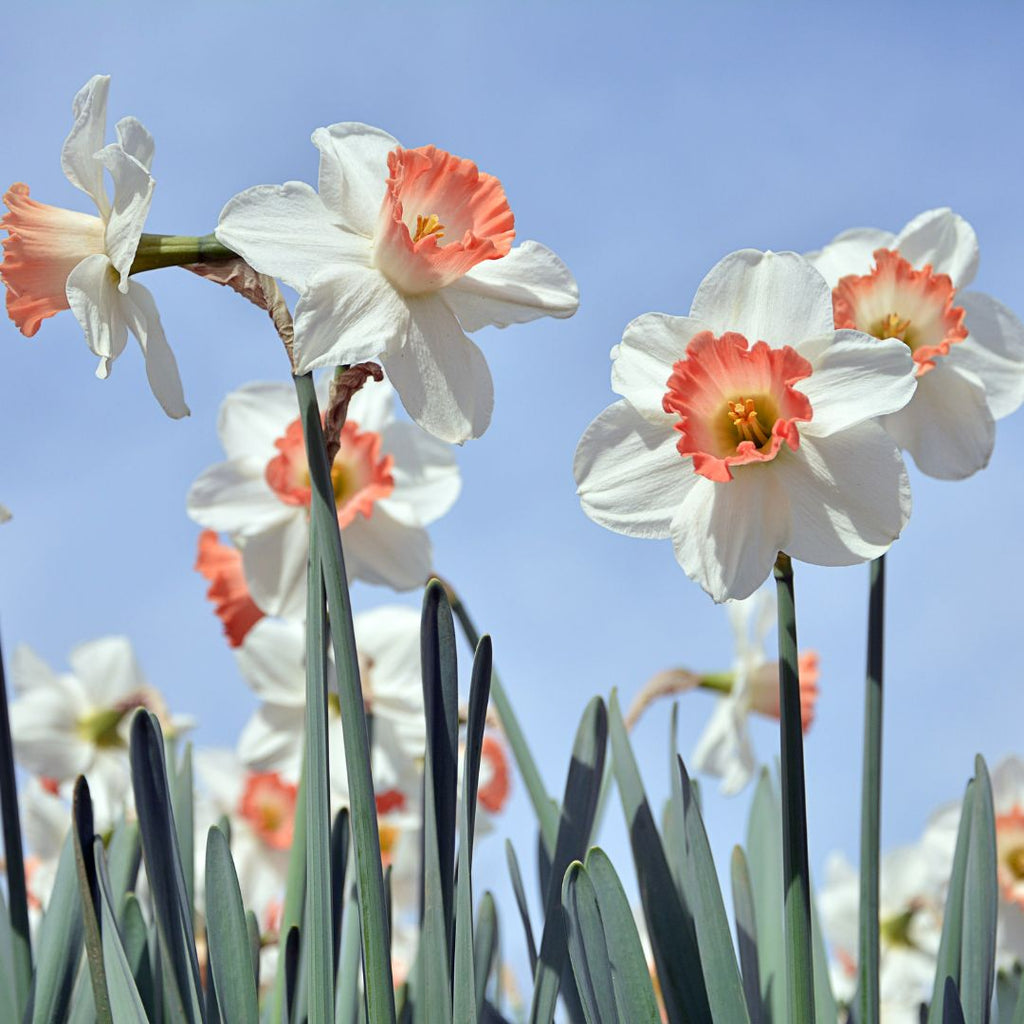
428 226
892 326
1015 861
743 414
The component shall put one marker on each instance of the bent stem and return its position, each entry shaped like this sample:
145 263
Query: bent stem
380 999
868 995
796 873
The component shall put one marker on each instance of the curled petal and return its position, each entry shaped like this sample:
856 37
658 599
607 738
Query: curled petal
133 193
993 351
96 302
943 240
78 157
143 320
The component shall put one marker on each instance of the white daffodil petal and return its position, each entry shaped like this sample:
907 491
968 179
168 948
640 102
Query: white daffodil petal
136 141
643 361
441 377
993 351
425 472
285 231
372 407
252 418
948 427
629 475
354 173
851 252
274 562
724 748
849 495
85 140
272 660
29 672
777 297
944 240
271 741
96 302
143 321
133 194
388 552
529 282
347 314
233 497
107 669
727 536
856 377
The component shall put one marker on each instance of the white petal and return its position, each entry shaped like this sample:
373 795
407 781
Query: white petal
96 302
776 297
948 427
46 742
347 314
271 741
727 535
385 551
425 472
354 173
143 320
856 377
651 345
388 639
629 475
274 563
135 140
849 496
133 193
372 406
29 672
724 749
272 660
529 282
85 140
234 497
222 775
943 239
440 375
851 252
285 231
253 417
993 351
107 669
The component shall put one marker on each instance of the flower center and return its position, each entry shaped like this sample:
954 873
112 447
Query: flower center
388 838
268 804
101 727
736 403
894 930
1010 854
897 301
428 226
360 476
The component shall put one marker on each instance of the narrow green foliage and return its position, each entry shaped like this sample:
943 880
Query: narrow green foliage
579 804
952 1008
163 868
228 935
8 995
252 929
365 837
796 870
587 948
182 803
295 889
669 920
60 943
868 998
520 895
1007 993
136 947
981 904
485 947
124 854
347 999
746 934
290 970
88 884
17 894
339 866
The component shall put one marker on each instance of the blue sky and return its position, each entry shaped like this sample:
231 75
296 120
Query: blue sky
641 146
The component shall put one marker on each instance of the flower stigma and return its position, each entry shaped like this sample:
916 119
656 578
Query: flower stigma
428 226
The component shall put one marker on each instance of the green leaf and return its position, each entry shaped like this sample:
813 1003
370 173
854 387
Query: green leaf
124 854
1007 992
520 894
163 867
485 947
347 998
981 904
669 921
8 994
252 928
587 948
582 788
947 963
136 947
295 889
952 1009
339 866
746 934
60 942
631 977
825 1006
290 972
229 952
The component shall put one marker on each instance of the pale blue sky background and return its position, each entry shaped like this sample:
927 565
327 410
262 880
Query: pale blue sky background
642 146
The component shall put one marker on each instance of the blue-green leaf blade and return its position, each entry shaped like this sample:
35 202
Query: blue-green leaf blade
588 950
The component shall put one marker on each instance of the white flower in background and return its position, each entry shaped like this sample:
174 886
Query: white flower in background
968 349
5 515
56 259
724 748
747 428
46 821
400 253
910 927
76 723
390 480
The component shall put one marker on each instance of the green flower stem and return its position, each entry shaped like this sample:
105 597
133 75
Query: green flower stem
868 997
544 807
796 873
16 890
380 997
156 251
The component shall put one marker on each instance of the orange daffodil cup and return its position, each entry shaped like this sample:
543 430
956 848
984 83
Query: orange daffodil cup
399 254
968 349
748 428
57 259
